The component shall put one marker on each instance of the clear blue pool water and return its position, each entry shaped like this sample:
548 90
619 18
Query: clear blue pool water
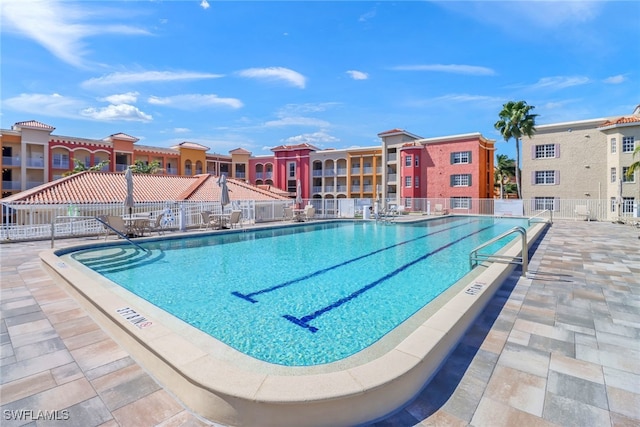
306 295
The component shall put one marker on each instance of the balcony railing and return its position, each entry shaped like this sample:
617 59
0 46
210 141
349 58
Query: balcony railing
34 162
171 171
329 172
355 171
329 188
342 171
11 185
317 172
392 177
10 161
367 188
31 184
392 157
316 189
342 188
368 169
120 167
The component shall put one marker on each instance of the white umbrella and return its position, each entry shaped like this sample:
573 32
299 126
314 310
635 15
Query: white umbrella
128 201
299 194
224 191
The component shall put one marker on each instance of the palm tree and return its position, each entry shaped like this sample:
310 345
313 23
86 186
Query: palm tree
81 167
635 165
516 121
141 167
504 170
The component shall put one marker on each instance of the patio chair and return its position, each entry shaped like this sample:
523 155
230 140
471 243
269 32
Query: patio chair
235 219
208 220
287 214
157 224
102 219
582 210
439 210
117 223
309 212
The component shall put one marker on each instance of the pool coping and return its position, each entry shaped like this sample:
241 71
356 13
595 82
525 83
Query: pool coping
208 380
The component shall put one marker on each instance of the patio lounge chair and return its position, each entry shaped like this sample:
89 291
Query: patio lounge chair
582 210
309 212
439 210
235 219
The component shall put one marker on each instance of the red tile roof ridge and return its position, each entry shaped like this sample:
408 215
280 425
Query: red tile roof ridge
34 124
620 121
199 180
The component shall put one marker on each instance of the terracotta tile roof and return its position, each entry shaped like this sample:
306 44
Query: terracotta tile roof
620 121
122 136
240 151
192 145
391 132
294 147
110 187
33 124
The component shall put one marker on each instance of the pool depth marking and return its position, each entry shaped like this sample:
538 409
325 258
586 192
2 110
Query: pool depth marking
249 296
304 321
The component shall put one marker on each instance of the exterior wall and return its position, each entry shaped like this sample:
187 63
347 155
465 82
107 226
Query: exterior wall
412 172
300 157
620 186
194 157
240 165
260 170
11 164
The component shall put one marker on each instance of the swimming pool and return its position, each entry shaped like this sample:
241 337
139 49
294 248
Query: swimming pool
301 296
230 387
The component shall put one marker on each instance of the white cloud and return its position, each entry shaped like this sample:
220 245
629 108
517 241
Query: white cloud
191 101
181 130
368 15
297 121
276 73
60 27
54 105
123 98
147 77
204 4
358 75
614 80
124 112
316 138
451 68
559 82
296 109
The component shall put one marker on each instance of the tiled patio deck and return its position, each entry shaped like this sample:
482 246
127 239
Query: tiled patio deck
561 347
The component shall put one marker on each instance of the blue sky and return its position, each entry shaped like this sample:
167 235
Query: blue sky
229 74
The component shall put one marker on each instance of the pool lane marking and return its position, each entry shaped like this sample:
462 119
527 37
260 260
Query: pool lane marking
304 321
249 296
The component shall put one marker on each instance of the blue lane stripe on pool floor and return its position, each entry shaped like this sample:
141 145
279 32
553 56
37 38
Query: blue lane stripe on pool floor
249 296
304 321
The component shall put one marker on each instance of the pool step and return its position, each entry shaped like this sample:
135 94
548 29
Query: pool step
119 258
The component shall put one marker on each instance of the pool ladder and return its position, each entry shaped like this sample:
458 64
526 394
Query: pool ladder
475 257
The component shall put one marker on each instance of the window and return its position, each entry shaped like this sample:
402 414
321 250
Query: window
544 203
627 204
613 175
624 175
60 161
613 145
545 151
545 177
407 161
417 161
462 157
292 170
613 204
628 144
416 181
461 180
407 181
461 202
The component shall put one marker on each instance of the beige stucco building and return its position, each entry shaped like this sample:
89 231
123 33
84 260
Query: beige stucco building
585 161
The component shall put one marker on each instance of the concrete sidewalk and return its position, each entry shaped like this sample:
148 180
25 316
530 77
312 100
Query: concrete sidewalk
560 347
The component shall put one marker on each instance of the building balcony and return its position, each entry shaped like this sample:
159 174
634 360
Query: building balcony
317 172
367 169
31 184
392 157
329 172
121 167
10 161
11 185
342 171
329 188
35 162
392 177
316 189
367 188
342 188
355 171
171 171
240 175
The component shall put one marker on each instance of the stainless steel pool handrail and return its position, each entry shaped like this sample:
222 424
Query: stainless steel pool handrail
106 224
523 260
538 215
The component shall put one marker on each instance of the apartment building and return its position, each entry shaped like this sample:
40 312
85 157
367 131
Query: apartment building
583 160
458 167
404 168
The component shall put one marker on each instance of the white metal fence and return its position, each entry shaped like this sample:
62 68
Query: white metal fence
36 222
